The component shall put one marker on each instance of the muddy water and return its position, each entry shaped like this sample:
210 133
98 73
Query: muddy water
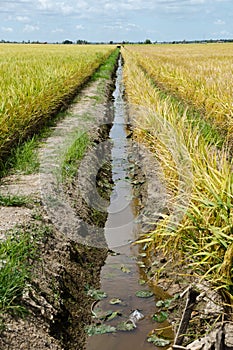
120 275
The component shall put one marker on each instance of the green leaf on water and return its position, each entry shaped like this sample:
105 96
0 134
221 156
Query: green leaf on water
176 296
96 294
160 303
144 293
161 317
141 282
113 315
141 264
157 341
164 303
115 301
100 329
112 253
143 255
125 269
155 263
103 315
125 326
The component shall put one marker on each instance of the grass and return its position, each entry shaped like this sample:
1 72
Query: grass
17 253
13 200
23 158
198 177
106 70
73 156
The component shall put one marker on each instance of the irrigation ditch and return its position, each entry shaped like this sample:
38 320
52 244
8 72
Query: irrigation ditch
91 287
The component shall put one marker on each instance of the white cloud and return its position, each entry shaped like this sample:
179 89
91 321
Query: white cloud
132 27
62 7
28 28
114 26
225 32
45 4
197 2
58 30
65 9
7 29
219 22
79 27
22 19
129 19
118 25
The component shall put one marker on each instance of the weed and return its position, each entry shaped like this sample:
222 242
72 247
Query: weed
16 255
106 69
74 154
14 201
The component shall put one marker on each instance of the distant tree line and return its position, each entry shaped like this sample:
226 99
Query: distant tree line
111 42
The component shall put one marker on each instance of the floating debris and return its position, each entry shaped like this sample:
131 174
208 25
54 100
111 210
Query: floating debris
115 301
135 316
157 341
125 326
144 293
125 269
97 294
100 329
161 317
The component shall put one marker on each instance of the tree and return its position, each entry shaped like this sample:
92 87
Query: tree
81 42
147 41
67 42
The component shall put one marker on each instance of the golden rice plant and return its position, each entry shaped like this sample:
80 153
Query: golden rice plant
199 74
37 80
199 179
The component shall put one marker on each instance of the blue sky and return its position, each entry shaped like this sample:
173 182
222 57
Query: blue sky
117 20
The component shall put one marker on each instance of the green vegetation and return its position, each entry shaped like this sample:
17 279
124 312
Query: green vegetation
17 253
23 159
73 156
105 71
14 200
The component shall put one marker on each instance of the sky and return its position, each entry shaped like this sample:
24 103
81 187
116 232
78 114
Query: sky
115 20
